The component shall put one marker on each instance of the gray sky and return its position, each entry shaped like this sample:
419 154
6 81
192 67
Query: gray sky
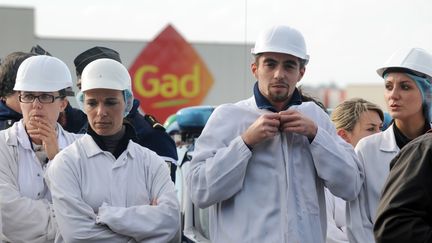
346 39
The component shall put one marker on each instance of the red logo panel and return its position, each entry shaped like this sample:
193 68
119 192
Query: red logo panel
169 75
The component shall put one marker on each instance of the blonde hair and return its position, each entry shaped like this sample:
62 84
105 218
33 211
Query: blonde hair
347 114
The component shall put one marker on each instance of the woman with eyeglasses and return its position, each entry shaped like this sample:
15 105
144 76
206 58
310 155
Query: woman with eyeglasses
27 148
407 80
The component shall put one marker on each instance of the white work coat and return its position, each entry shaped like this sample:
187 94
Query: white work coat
336 219
274 193
375 153
99 198
25 218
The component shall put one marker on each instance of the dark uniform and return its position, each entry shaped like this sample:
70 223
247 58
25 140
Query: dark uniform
151 134
72 119
8 116
405 209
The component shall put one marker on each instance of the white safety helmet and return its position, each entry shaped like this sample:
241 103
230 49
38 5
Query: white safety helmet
107 73
281 39
415 59
42 74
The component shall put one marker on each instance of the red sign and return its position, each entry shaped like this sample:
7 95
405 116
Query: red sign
169 75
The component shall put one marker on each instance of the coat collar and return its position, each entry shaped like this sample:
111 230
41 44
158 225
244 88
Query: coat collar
263 103
17 134
92 149
388 141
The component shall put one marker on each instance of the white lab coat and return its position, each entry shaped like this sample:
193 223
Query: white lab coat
25 218
274 193
336 219
375 153
98 198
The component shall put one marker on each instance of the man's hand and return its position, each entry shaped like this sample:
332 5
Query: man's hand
154 202
296 122
265 127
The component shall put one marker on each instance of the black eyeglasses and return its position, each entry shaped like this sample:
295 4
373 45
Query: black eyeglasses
43 98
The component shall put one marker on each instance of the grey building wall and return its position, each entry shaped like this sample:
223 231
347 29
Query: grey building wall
228 63
17 30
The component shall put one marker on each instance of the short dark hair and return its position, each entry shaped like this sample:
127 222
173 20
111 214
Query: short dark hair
97 52
8 71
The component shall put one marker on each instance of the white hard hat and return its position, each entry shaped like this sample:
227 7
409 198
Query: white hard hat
416 60
281 39
42 74
105 74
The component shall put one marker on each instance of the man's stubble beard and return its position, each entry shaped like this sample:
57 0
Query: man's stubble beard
279 97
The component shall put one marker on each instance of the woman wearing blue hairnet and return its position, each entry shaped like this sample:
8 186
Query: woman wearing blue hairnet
407 79
105 187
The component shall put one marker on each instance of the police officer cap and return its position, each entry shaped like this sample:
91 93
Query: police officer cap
97 52
38 50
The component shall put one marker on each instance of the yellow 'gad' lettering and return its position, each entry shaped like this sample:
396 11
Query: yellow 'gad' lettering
169 85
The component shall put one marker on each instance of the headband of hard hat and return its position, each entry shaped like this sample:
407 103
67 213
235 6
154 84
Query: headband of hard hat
42 74
105 74
403 70
88 56
281 39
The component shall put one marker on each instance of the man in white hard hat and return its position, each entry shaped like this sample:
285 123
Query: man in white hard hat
261 164
28 146
105 187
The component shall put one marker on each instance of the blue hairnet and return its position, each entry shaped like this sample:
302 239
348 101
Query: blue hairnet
127 96
425 88
387 121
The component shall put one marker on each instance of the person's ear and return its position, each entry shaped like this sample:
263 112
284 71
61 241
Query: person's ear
344 135
254 69
64 102
302 72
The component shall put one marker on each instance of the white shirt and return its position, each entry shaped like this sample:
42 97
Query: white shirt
31 172
27 215
336 219
375 153
102 199
274 193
